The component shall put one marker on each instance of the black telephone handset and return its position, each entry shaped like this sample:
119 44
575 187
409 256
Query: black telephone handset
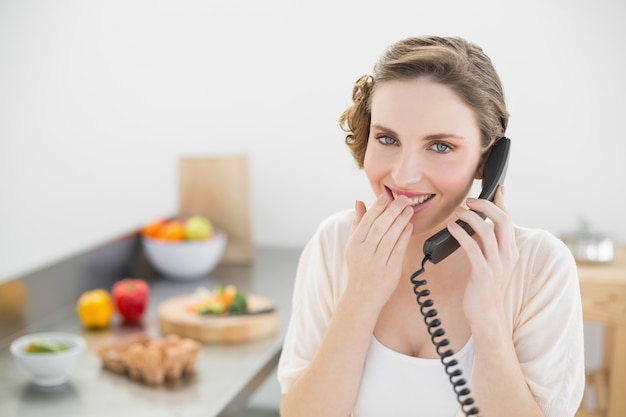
442 244
437 248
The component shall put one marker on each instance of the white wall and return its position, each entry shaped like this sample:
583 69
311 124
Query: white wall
99 99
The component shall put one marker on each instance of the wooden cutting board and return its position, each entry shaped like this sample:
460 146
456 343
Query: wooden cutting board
175 318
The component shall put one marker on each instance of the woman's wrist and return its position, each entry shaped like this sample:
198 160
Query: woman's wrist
360 305
489 326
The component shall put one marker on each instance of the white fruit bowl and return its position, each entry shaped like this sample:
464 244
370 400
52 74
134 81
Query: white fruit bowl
50 368
187 259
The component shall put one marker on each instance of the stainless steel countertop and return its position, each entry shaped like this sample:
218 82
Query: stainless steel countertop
226 374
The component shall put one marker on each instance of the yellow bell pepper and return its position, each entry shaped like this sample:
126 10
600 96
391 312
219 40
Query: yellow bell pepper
95 309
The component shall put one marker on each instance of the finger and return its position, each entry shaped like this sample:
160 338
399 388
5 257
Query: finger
383 223
503 231
498 214
467 243
391 237
397 254
484 231
498 199
361 229
359 211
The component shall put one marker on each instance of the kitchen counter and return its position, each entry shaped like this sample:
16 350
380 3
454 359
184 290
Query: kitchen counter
603 291
226 374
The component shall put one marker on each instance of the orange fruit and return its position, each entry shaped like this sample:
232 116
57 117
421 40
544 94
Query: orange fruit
153 228
228 295
173 230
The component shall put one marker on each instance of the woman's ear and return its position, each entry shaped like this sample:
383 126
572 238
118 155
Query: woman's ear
478 175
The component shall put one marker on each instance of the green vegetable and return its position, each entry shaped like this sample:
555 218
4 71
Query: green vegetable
45 346
219 290
212 308
240 304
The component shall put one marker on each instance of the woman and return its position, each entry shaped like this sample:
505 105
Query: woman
509 300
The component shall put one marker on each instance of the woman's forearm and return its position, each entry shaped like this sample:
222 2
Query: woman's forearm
330 384
498 384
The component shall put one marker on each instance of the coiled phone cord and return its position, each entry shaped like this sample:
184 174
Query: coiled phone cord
436 332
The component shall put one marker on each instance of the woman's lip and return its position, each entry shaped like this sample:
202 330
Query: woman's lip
391 193
416 208
423 205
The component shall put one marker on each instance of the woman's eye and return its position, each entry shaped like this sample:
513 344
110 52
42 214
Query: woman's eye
386 140
441 147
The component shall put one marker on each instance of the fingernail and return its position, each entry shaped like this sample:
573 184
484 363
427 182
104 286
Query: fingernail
402 200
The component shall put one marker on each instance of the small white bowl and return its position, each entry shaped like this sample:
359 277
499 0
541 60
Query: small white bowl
187 259
49 369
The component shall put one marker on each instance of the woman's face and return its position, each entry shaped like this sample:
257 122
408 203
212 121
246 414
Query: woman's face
424 142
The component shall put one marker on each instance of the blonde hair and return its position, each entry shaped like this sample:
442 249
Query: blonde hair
451 61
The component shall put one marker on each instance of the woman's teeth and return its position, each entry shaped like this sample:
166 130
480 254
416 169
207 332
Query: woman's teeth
416 200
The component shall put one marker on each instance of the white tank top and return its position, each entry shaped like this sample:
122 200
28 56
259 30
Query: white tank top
399 385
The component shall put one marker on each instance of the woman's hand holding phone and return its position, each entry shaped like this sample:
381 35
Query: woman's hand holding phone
492 253
376 249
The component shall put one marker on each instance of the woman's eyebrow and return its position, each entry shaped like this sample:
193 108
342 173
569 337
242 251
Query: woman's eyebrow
440 136
436 136
384 129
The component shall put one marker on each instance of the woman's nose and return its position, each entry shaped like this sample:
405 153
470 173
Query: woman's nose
407 169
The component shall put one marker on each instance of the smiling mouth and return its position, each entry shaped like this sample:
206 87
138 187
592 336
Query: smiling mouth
413 201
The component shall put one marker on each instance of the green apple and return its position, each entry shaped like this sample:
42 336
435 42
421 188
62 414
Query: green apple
198 227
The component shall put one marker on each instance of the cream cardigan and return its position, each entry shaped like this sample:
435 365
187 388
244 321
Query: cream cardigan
543 307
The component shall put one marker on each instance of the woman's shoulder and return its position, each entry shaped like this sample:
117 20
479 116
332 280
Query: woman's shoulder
543 257
540 242
337 224
331 234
